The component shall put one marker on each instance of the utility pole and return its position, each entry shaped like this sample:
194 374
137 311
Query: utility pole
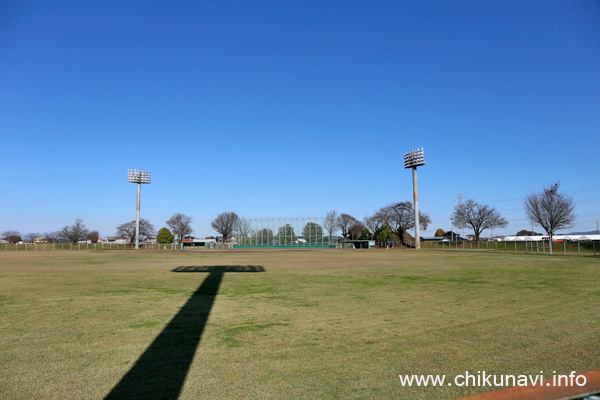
459 197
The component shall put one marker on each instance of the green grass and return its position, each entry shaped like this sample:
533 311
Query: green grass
315 324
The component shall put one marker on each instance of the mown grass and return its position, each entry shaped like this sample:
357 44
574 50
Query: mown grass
314 324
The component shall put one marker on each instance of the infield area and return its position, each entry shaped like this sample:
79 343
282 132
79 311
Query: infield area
311 324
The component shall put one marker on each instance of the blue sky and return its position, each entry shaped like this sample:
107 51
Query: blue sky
291 109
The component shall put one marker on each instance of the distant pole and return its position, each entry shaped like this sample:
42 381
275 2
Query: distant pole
137 216
416 202
412 160
139 177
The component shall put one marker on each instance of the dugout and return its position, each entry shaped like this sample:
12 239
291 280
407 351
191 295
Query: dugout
356 244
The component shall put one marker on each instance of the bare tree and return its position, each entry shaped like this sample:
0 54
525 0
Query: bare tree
127 230
180 225
30 237
344 223
74 233
477 216
550 210
400 217
52 237
225 223
356 229
331 223
11 236
93 236
375 223
243 228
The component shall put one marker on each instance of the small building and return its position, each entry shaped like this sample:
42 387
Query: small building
356 244
116 240
433 239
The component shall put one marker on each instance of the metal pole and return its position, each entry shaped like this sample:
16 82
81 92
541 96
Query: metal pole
137 217
416 201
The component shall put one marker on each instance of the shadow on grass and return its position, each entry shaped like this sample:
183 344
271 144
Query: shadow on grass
161 370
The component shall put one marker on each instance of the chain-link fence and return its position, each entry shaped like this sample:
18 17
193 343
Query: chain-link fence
84 246
566 248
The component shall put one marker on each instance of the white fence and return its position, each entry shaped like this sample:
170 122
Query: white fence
84 246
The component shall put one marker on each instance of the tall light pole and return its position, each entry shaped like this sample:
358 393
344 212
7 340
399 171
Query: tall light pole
139 177
414 159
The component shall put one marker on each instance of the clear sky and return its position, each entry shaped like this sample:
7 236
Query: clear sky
291 109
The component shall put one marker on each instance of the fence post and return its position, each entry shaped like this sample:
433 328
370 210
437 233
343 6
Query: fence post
578 249
505 246
594 249
564 248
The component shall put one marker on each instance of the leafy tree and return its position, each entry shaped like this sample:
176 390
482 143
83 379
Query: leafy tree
12 236
524 232
127 230
451 235
477 216
344 223
312 233
225 223
331 223
365 235
384 235
93 236
551 210
439 233
286 235
164 235
400 217
264 237
74 233
180 225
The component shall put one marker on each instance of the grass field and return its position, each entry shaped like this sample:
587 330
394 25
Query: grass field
287 324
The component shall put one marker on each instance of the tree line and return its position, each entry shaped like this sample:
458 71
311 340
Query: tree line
179 224
549 209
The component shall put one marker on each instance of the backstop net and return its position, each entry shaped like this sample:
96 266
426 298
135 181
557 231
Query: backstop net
283 232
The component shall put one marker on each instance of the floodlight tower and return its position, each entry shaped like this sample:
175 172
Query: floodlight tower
139 177
414 159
